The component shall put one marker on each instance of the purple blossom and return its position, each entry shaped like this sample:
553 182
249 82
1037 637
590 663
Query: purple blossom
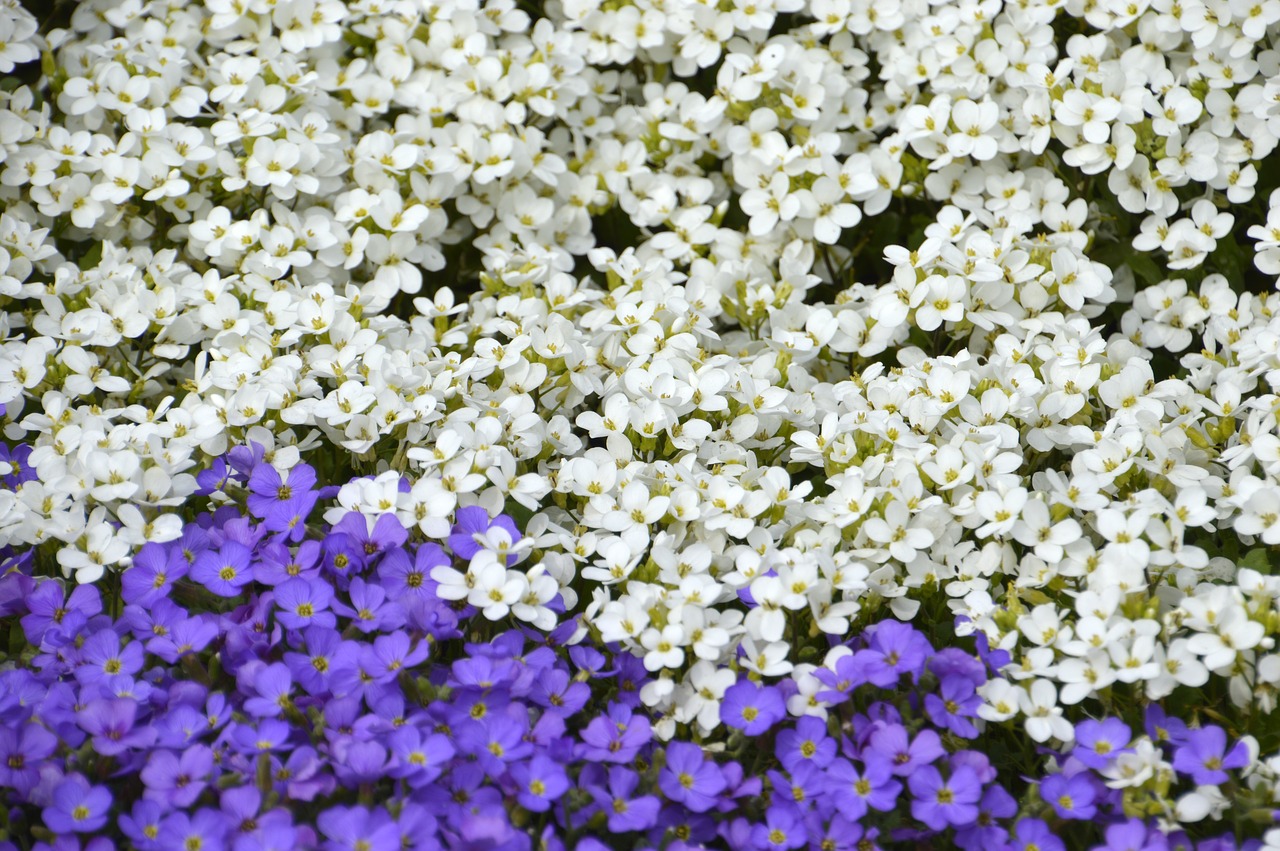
807 742
1206 758
689 778
954 705
1032 834
177 780
783 828
539 783
301 603
1132 835
23 747
77 807
942 803
154 570
853 791
904 754
616 736
1100 742
615 795
1071 797
224 571
752 708
111 724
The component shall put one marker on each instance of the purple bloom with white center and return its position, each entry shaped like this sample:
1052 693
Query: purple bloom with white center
1206 758
77 807
942 803
1071 797
689 778
1100 742
224 571
752 708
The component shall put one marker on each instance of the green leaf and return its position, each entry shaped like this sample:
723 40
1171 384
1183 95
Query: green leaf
1259 559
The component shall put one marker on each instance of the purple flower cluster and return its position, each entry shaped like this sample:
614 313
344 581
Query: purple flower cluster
267 682
1079 792
261 683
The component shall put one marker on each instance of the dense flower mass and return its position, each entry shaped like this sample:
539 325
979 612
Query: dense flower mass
737 363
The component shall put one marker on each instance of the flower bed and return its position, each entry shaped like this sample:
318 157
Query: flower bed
847 373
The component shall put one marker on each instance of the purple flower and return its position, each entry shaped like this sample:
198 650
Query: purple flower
368 538
751 708
369 610
556 691
224 571
267 490
154 570
987 831
418 758
896 648
946 803
177 780
906 755
689 778
471 531
111 723
22 748
189 635
1099 742
616 798
539 782
1132 835
77 807
206 830
808 742
1205 756
1071 797
402 576
301 603
853 791
48 605
271 688
1032 834
102 656
1163 728
955 703
142 824
616 736
783 828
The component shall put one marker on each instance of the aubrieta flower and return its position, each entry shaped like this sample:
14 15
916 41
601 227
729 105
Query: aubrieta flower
751 708
689 778
1205 756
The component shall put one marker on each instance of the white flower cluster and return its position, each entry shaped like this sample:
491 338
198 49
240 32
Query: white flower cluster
649 314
